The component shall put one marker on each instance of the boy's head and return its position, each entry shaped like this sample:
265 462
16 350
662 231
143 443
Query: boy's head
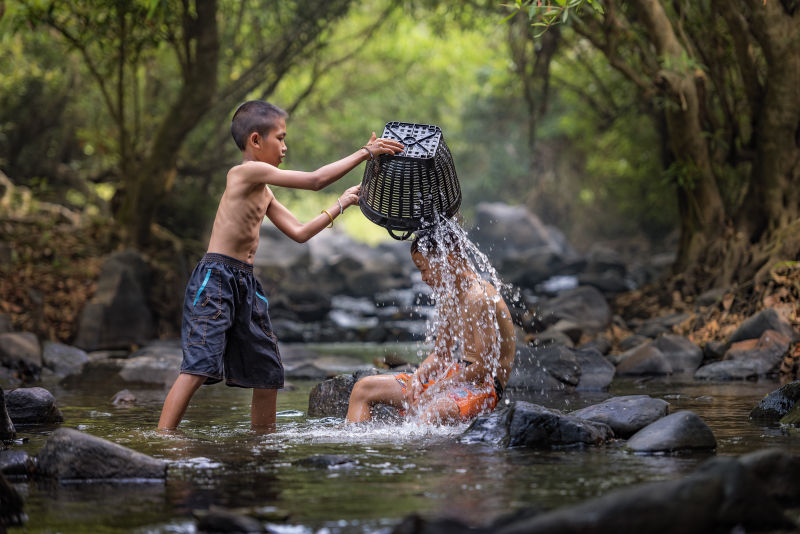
253 123
434 251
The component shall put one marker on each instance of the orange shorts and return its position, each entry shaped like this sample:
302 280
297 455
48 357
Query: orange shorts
472 400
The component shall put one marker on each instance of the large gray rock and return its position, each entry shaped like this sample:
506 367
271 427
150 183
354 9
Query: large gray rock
596 371
33 406
680 431
7 430
755 326
731 370
331 397
118 316
524 424
625 415
16 463
778 403
22 352
63 360
72 455
682 355
584 306
158 363
769 349
645 360
545 368
778 471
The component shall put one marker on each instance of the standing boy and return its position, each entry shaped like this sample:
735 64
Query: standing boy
226 332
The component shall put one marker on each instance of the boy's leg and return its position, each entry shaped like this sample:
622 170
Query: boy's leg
178 399
372 389
441 410
262 410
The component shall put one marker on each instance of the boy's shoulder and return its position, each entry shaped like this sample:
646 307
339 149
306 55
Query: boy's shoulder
250 169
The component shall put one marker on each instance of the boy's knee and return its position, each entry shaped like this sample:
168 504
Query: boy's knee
363 389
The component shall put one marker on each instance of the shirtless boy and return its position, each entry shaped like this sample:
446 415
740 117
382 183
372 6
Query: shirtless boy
226 332
473 351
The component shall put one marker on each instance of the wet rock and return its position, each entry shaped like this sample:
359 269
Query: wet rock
7 430
778 403
11 505
550 336
768 350
680 431
596 371
123 398
22 352
631 342
63 360
16 463
645 360
714 350
778 471
682 354
118 316
584 306
525 424
72 455
755 326
720 496
730 370
158 363
32 406
331 397
600 344
544 368
217 519
625 415
327 461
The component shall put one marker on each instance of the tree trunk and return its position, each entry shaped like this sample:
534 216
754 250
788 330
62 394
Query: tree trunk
145 187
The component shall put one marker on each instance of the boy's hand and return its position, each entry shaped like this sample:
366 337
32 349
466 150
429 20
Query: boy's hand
350 196
378 146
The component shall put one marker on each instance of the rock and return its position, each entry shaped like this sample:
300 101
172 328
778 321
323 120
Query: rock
118 316
64 360
5 323
72 455
645 360
631 342
11 505
682 354
308 371
22 352
7 430
217 519
610 283
544 368
730 370
651 330
584 306
600 343
720 496
768 350
331 397
327 461
759 323
680 431
596 371
16 463
714 350
524 424
32 406
123 398
778 471
501 229
625 415
777 403
158 363
416 524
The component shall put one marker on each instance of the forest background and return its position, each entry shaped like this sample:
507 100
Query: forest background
671 124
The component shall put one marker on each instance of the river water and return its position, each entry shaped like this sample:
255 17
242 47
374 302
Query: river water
395 470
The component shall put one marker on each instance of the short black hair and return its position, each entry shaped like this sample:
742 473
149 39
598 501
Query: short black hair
254 116
434 240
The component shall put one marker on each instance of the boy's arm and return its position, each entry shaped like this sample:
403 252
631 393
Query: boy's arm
257 172
287 223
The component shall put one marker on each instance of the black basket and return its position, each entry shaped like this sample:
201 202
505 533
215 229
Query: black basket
407 191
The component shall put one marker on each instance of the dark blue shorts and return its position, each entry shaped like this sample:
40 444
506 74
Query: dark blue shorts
226 331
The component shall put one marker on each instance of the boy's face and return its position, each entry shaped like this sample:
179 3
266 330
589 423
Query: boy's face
424 266
272 146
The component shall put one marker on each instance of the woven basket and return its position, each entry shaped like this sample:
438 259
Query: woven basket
409 190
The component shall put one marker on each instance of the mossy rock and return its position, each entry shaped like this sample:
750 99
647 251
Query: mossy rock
779 404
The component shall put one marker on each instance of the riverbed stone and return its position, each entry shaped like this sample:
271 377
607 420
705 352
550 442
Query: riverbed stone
69 454
644 360
544 368
730 370
525 424
769 349
630 343
123 398
22 352
158 363
331 397
33 406
217 519
584 306
16 463
683 355
755 326
63 360
596 371
7 430
327 461
681 431
625 415
11 505
6 325
777 403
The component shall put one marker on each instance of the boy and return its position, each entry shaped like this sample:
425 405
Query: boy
473 351
226 331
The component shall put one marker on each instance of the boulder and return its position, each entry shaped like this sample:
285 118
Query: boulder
22 352
769 349
63 360
584 306
631 342
16 463
755 326
118 316
33 406
544 368
680 431
11 505
158 363
645 360
625 415
596 371
72 455
331 397
217 519
5 323
778 471
501 229
778 403
682 355
7 430
730 370
123 398
524 424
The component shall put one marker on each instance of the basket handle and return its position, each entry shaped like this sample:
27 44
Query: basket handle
400 237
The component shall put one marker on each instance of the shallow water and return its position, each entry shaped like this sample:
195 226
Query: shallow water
216 460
